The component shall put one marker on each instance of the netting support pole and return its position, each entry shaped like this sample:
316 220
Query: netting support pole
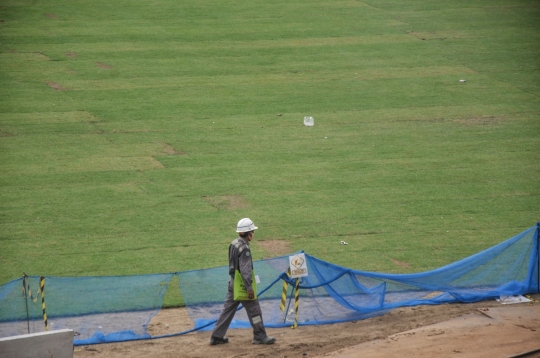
289 304
25 296
538 255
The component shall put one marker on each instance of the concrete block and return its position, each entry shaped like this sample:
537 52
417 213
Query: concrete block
56 344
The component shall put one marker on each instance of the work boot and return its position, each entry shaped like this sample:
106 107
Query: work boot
265 340
217 340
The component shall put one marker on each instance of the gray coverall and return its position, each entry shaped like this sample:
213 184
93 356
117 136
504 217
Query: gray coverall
240 253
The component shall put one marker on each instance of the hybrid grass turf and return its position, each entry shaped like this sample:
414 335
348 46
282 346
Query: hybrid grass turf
135 135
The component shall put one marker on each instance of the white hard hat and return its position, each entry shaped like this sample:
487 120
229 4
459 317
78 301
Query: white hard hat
245 225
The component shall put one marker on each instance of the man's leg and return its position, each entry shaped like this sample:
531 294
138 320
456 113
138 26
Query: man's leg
254 312
226 316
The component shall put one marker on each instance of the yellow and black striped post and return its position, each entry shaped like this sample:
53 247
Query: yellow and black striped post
296 299
42 288
284 291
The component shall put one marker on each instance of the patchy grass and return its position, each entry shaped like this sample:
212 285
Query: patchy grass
134 135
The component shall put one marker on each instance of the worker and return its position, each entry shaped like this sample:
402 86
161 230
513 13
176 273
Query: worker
240 259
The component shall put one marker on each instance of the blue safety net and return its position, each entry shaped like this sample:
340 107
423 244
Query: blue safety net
120 308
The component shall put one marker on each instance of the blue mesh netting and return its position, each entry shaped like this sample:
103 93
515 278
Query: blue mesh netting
120 308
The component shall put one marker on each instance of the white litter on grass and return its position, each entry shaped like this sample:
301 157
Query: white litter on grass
308 121
344 243
508 300
462 81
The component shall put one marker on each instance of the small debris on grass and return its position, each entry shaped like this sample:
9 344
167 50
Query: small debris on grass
308 121
344 243
462 81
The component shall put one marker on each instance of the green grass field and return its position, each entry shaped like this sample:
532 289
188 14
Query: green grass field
135 134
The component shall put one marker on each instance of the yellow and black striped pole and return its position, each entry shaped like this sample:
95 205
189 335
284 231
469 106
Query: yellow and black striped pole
296 299
42 288
284 291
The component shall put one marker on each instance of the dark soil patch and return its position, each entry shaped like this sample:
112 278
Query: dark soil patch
104 66
5 134
169 149
275 247
55 86
479 120
226 202
400 263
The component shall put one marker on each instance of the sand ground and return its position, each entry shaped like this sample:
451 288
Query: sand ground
482 329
